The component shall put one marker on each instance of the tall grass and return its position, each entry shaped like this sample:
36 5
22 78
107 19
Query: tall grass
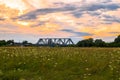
59 63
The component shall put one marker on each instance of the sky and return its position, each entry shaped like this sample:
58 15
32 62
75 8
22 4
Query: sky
77 19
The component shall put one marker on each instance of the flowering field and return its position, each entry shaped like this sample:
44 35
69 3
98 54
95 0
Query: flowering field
59 63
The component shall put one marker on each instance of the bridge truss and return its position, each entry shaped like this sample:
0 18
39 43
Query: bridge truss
54 42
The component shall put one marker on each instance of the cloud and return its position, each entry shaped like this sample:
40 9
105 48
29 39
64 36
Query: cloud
93 8
2 19
114 32
76 33
40 23
91 18
8 31
74 9
7 13
8 26
44 11
106 6
110 19
19 5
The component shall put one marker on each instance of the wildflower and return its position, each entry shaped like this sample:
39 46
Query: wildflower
86 60
89 74
87 69
1 73
22 79
48 59
110 62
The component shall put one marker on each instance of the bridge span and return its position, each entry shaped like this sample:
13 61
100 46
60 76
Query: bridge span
54 42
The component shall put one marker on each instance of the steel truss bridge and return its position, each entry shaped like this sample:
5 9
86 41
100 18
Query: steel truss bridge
54 42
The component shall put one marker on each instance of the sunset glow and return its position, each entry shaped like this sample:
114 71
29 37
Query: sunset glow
31 19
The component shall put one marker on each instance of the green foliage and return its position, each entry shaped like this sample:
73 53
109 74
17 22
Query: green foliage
2 42
10 42
65 63
86 43
25 42
99 43
6 43
117 40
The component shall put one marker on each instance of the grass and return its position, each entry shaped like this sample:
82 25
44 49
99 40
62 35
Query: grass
46 63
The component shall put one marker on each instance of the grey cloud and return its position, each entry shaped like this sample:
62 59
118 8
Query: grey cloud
92 9
107 6
2 19
94 13
76 33
107 1
39 23
34 14
110 19
77 11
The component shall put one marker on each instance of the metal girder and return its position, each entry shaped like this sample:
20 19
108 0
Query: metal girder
54 42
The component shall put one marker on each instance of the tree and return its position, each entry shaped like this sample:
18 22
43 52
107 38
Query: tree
99 43
86 43
10 42
25 42
117 40
2 43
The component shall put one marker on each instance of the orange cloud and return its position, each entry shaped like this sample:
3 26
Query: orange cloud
14 4
51 23
7 12
102 30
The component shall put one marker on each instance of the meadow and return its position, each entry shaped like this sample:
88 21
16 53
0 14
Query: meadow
59 63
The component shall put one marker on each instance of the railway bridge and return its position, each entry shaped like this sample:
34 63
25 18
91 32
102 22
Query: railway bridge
54 42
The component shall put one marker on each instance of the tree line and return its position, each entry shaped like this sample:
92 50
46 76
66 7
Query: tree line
12 43
83 43
98 43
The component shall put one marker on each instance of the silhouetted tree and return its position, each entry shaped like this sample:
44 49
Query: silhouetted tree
117 40
10 42
25 42
3 43
99 43
86 43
